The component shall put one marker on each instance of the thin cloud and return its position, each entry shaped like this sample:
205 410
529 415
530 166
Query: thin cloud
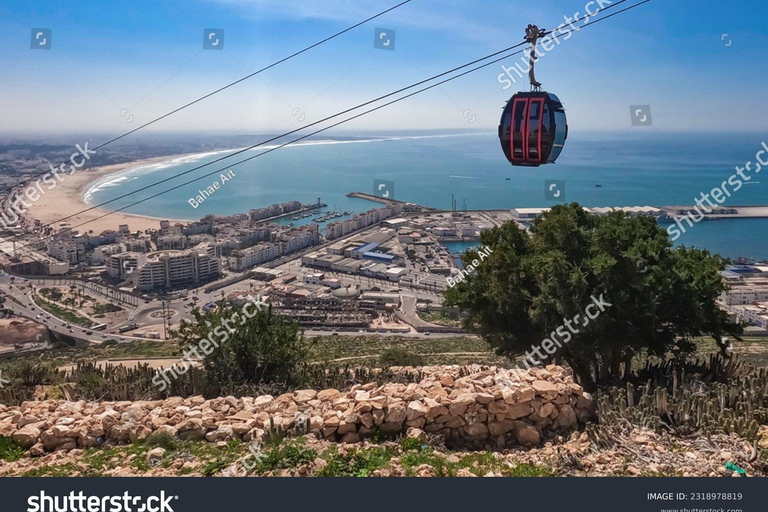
458 18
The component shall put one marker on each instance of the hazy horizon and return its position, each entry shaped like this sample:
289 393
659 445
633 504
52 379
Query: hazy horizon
112 68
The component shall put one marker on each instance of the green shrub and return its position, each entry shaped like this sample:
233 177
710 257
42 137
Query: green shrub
289 455
410 443
395 356
356 462
262 350
9 450
162 440
530 470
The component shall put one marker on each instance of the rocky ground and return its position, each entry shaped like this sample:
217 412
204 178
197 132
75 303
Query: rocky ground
466 406
649 454
457 421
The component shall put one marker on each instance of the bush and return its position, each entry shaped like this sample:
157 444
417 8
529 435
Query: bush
410 443
9 450
356 462
262 350
28 373
400 357
162 440
289 455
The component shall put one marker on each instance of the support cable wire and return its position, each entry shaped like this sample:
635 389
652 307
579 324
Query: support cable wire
506 56
231 84
293 141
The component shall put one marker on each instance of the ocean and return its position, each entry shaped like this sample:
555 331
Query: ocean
630 168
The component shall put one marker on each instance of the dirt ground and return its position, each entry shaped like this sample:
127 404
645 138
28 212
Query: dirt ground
18 330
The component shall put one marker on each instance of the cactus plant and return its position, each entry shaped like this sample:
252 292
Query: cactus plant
687 405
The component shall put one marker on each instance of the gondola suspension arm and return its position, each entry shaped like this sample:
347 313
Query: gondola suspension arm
532 35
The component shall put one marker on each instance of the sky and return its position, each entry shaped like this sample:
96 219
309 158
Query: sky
113 65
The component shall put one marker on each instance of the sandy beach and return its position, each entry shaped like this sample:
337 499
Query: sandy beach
68 199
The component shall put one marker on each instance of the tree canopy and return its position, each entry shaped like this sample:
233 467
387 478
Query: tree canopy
532 282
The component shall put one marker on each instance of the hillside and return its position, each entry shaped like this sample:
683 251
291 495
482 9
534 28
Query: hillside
447 421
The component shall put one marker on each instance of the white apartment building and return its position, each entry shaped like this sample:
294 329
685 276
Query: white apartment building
199 239
136 244
299 238
340 228
740 295
253 256
123 265
313 278
66 250
107 237
753 314
172 242
152 275
167 269
101 254
245 237
363 220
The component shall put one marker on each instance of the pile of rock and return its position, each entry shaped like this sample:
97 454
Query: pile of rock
470 406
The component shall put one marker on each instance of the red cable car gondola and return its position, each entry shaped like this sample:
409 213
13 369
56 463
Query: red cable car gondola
533 125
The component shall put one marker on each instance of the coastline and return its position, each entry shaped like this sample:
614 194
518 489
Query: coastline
68 198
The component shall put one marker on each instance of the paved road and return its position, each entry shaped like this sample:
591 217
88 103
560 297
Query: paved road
411 334
29 309
147 313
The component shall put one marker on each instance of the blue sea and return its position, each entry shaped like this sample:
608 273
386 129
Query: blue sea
632 168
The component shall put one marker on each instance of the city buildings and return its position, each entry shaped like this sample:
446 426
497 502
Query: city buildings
253 256
275 210
747 295
363 220
67 250
122 265
169 269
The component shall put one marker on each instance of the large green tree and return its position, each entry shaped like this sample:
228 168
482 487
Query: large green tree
533 281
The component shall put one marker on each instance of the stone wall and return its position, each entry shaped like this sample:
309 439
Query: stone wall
468 406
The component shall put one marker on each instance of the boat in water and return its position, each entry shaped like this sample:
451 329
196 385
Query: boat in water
328 216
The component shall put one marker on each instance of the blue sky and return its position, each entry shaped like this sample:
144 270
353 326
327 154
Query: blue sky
113 59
